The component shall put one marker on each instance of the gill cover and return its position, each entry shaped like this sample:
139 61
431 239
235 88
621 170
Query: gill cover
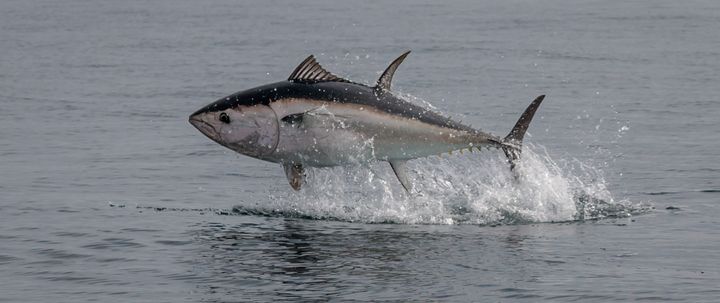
252 131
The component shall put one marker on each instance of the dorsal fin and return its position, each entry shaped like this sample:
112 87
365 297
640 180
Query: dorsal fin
310 70
386 78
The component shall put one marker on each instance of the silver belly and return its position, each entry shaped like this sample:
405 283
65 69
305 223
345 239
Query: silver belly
334 134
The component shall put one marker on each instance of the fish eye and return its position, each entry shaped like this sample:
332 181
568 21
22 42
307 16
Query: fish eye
224 118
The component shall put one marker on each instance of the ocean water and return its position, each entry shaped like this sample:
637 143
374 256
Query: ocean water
108 194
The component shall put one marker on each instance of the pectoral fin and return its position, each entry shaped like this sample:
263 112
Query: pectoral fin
400 169
295 174
317 115
293 119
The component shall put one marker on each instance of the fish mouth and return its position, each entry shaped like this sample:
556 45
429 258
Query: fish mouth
206 128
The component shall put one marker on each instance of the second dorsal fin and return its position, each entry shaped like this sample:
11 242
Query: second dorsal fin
310 70
386 78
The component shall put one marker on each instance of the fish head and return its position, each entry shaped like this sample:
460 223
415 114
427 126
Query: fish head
249 129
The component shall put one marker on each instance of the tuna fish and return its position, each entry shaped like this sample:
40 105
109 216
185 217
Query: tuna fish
317 119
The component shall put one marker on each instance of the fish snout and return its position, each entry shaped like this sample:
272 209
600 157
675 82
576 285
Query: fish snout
203 126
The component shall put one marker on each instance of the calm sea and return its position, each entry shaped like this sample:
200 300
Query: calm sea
108 194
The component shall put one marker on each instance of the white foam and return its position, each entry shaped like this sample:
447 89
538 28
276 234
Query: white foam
473 188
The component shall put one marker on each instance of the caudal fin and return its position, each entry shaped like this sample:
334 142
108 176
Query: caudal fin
512 144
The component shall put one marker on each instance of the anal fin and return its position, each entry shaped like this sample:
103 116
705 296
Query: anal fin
295 174
400 169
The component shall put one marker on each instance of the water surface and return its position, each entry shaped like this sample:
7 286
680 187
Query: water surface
108 194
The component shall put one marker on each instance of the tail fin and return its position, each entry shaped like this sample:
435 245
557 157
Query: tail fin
512 144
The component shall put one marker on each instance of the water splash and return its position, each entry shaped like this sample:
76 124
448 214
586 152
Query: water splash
470 188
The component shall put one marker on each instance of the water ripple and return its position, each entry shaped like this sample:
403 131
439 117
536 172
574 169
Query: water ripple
112 243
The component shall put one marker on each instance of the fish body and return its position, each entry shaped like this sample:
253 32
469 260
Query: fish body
316 119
